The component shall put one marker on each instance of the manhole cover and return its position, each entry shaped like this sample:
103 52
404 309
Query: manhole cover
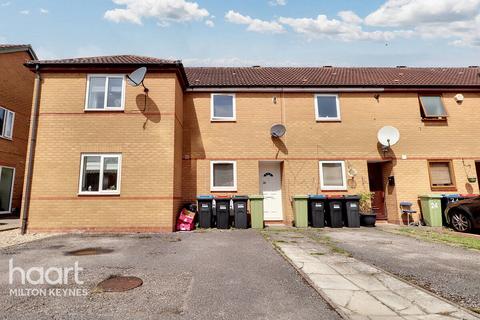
88 252
119 284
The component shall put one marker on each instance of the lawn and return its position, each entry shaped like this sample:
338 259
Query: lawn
439 235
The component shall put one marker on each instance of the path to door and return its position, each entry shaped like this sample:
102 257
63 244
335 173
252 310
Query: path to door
359 290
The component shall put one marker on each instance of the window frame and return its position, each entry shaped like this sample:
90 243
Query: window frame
4 128
453 187
343 187
212 108
327 119
102 157
105 108
423 112
228 188
11 188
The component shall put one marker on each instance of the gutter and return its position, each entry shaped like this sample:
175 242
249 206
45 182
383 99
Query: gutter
282 89
31 149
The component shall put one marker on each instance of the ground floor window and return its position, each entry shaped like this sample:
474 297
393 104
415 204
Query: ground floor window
223 176
332 175
441 174
7 176
100 173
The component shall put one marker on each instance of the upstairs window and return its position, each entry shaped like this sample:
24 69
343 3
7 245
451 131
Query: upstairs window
327 107
223 175
223 107
100 174
441 175
7 118
432 107
105 92
332 175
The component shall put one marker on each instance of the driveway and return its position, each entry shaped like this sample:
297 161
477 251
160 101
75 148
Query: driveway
451 272
201 275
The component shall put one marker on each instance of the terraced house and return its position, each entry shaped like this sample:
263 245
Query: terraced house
112 157
16 91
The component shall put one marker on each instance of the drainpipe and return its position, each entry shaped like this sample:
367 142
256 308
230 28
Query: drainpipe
31 149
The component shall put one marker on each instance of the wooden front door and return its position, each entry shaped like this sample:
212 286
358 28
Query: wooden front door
477 167
377 186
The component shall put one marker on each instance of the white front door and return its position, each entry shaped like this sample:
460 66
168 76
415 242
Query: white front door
271 187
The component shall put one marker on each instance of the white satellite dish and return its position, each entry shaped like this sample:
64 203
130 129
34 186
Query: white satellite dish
136 78
278 131
388 136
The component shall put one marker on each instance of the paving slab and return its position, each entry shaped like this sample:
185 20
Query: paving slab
361 291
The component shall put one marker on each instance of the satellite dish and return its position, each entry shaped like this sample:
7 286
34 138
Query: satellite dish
388 136
278 131
136 78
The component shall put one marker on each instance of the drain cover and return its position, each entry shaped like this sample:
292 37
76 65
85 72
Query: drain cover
88 252
119 284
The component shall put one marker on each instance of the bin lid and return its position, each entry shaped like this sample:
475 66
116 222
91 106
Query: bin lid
224 198
451 196
317 197
352 197
256 197
431 196
470 195
300 197
336 197
240 198
204 197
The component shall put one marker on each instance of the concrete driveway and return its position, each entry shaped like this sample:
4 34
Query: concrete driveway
451 272
202 275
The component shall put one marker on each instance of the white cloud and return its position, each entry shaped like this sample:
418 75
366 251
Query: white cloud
25 12
165 11
401 13
210 23
5 4
44 11
255 25
347 28
456 20
277 2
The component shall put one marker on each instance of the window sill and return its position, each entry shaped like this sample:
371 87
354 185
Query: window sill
104 110
223 190
446 188
328 120
6 138
223 120
435 119
334 189
98 194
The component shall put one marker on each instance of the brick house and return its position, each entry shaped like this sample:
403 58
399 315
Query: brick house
16 91
109 157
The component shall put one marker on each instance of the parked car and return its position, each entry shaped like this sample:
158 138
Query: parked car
464 215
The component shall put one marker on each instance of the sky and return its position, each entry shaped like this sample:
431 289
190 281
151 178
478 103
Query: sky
251 32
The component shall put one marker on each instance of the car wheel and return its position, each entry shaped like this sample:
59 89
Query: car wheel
460 221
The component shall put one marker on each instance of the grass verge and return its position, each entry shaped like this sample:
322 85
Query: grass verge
440 235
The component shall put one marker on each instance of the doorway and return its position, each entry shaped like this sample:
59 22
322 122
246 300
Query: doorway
270 176
6 189
377 187
477 168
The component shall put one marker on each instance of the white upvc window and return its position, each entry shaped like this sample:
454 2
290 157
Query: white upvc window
223 175
7 118
223 107
7 179
100 174
332 175
105 92
327 107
